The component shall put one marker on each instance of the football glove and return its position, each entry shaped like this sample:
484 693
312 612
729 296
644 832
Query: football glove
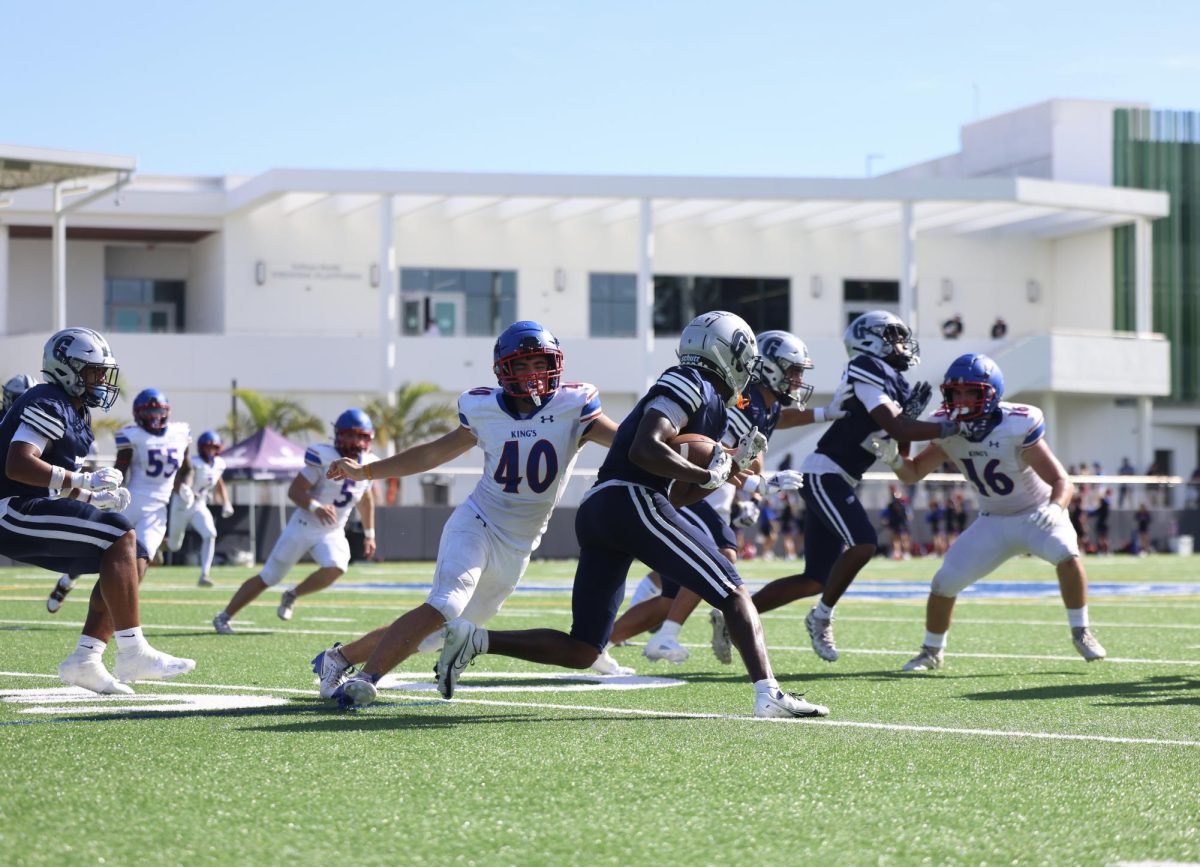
719 469
834 410
784 480
888 451
226 510
187 497
747 514
749 446
112 501
103 479
918 399
949 429
1047 516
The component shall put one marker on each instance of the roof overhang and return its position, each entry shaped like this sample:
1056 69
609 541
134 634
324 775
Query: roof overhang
25 167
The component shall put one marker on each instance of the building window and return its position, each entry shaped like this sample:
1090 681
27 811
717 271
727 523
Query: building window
146 306
764 302
859 296
612 300
473 303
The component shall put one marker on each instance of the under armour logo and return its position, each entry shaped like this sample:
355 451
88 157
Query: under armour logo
546 419
992 444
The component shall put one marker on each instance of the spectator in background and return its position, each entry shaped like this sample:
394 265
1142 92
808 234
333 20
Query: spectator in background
1100 513
952 328
1126 469
1142 519
895 518
956 518
431 328
1194 489
1097 470
999 329
938 519
1152 490
789 524
1079 520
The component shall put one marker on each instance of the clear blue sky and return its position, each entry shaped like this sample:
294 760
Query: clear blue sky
592 87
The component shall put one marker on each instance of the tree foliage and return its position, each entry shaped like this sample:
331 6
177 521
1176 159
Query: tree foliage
413 419
285 415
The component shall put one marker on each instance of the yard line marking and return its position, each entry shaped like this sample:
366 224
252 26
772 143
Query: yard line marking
665 714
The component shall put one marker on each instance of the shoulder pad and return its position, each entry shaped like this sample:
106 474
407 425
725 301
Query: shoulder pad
867 369
682 384
318 454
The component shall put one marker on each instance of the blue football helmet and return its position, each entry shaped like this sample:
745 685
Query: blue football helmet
885 336
352 433
151 410
971 393
210 440
527 340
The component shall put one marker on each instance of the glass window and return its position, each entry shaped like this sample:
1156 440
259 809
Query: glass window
860 296
155 306
764 302
477 303
612 300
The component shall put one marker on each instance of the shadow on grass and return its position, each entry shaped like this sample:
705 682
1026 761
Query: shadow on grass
371 721
1166 690
883 675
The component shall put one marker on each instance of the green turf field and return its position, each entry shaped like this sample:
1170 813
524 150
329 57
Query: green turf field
1019 752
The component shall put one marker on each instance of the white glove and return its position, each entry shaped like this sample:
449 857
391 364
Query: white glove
187 497
834 410
1047 516
719 469
748 513
888 451
104 479
749 446
784 480
112 501
226 510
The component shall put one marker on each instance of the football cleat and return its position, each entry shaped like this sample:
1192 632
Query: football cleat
459 650
722 646
332 670
358 691
646 589
55 600
287 604
929 659
665 647
605 664
204 581
1087 645
146 663
820 631
87 670
785 705
222 625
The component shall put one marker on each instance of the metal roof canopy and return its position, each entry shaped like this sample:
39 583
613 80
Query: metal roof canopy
24 167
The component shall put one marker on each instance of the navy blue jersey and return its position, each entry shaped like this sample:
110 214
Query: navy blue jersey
755 415
847 442
697 397
48 410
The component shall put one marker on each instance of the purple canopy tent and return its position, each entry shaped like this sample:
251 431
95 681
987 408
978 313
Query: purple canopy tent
264 456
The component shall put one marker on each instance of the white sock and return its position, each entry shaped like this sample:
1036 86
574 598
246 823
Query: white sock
823 611
1077 617
768 684
130 639
66 582
935 639
90 646
669 629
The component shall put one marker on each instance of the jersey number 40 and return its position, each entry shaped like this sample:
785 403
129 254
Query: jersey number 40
541 466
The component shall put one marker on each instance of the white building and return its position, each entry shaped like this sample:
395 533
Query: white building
319 284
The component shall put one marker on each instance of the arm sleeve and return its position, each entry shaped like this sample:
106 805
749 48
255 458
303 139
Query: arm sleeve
28 434
673 411
871 396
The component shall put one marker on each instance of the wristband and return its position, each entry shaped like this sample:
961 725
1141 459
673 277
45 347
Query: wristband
370 478
83 496
58 477
369 533
818 414
751 484
314 505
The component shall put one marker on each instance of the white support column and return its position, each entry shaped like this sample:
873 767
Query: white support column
3 279
389 301
1145 443
1049 405
908 265
1143 279
645 289
58 255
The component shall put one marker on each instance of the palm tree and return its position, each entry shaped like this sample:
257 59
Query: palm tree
411 420
284 414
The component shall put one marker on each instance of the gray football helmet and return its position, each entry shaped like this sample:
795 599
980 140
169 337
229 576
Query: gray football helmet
724 344
16 387
72 352
784 360
885 336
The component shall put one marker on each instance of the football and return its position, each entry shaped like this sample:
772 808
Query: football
696 449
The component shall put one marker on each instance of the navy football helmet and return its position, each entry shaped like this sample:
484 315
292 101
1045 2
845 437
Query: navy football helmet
151 410
16 387
209 444
885 336
971 393
352 433
523 340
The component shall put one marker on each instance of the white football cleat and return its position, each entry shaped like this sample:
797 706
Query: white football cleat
63 586
929 659
204 581
605 664
88 671
722 644
146 663
665 647
222 625
785 705
820 631
332 669
1087 645
287 604
459 650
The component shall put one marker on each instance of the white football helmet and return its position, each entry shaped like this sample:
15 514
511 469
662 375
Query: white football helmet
724 344
883 335
784 360
16 387
71 352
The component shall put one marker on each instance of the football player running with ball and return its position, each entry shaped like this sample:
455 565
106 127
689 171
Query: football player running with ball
1023 497
318 526
202 481
626 516
530 430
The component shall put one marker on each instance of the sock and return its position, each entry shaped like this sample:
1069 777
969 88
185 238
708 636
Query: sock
768 684
935 639
669 629
66 582
130 639
1077 617
481 640
90 646
823 611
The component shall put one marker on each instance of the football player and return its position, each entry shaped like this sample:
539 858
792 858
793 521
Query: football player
204 472
1023 494
839 539
626 516
530 430
15 387
776 399
318 526
54 516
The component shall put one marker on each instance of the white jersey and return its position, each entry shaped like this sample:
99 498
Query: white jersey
156 458
527 461
996 465
343 495
205 476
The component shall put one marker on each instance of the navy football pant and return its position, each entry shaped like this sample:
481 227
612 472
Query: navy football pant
708 521
833 521
61 535
619 524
